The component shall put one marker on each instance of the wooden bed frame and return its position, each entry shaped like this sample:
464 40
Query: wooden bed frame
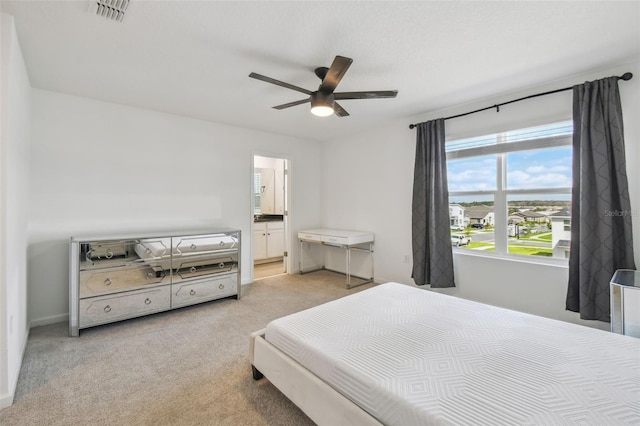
323 404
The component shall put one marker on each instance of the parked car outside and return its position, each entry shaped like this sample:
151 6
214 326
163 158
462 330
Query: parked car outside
457 228
477 226
458 240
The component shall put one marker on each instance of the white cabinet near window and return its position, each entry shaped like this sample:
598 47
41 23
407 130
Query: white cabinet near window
268 241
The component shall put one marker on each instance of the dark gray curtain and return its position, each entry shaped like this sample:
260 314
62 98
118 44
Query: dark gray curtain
431 234
601 237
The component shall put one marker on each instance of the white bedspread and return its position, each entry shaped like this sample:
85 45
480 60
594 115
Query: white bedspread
410 356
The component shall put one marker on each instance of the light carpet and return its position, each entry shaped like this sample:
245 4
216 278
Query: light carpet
183 367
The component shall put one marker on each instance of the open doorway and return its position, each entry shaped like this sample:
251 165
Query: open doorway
270 216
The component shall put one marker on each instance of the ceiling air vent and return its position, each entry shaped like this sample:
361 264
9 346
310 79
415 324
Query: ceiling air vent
111 9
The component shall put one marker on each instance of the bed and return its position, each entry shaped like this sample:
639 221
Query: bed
190 256
399 355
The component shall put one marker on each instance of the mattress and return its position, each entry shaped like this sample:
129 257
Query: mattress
410 356
187 245
151 249
194 250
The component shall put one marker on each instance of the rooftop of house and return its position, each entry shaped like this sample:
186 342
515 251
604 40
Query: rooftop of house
562 214
529 213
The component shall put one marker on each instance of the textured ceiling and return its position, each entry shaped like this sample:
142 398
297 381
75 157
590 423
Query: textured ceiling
193 58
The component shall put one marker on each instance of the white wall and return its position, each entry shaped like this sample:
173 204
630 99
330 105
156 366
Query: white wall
14 186
369 177
101 168
268 163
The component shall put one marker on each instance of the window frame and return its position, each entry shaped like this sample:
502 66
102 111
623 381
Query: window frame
257 192
501 148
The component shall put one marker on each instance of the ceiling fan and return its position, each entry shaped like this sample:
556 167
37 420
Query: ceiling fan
323 101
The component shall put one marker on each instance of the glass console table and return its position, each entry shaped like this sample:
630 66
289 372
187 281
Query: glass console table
347 240
625 302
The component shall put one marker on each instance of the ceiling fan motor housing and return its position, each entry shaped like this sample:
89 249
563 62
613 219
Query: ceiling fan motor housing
320 72
322 98
322 103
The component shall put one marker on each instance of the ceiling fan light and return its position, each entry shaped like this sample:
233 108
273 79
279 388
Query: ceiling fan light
322 110
322 104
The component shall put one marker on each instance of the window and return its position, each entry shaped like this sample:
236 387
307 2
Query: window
257 193
510 192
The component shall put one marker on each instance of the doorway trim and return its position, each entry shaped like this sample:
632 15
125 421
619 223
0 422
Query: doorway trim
287 217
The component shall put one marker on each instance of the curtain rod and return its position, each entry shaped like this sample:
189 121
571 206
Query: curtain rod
626 77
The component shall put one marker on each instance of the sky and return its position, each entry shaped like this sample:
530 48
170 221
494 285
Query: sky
544 168
529 169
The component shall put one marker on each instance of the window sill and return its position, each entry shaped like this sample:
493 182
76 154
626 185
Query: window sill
531 260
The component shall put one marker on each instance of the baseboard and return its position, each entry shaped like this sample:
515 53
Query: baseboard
6 399
268 260
49 320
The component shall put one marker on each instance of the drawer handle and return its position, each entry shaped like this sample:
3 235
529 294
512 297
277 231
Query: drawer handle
107 308
107 281
109 254
148 251
193 269
221 286
150 275
147 301
193 247
221 265
221 243
192 292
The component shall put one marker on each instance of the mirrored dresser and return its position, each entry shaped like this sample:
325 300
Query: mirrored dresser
120 277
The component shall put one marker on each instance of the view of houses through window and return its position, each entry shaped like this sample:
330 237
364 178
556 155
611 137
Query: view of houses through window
510 193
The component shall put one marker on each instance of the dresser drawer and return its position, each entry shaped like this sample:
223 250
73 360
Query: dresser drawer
104 309
201 266
202 291
309 237
330 239
102 250
200 244
103 281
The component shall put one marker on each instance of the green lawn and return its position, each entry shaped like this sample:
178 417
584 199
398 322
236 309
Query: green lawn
481 245
513 249
544 237
530 251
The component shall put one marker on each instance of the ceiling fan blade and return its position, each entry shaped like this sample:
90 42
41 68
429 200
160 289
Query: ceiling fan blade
367 95
339 111
290 104
279 83
335 73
